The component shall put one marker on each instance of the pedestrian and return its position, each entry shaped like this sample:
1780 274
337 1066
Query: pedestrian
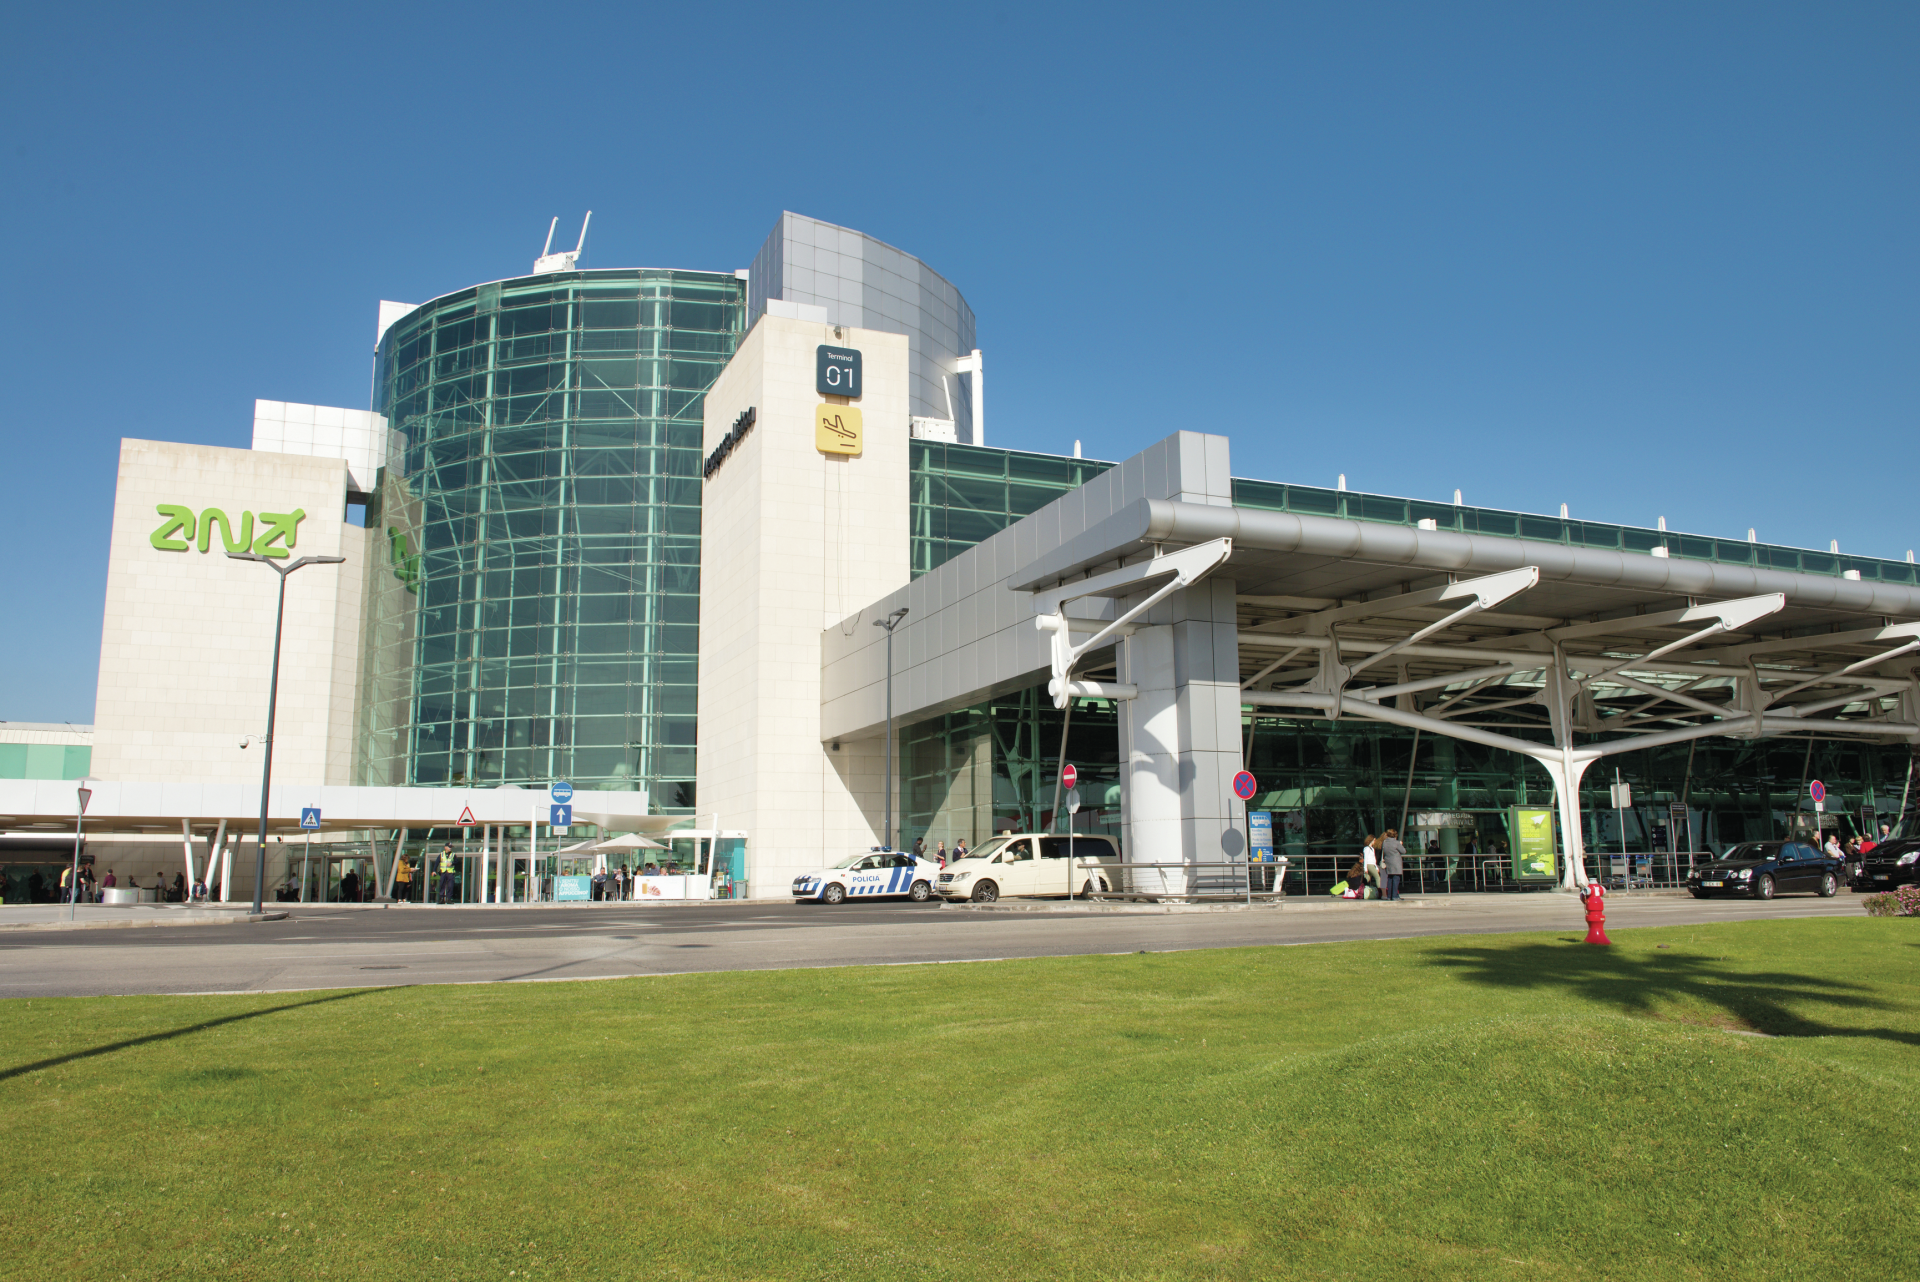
919 849
110 882
940 853
178 894
350 886
403 879
1393 857
599 884
66 889
959 850
36 887
1370 864
446 872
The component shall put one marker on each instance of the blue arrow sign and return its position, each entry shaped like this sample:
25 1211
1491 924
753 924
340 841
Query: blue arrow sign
309 816
562 816
562 793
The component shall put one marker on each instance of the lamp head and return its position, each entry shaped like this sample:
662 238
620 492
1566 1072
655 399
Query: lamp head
892 621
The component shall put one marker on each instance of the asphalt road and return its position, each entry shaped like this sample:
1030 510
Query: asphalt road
341 947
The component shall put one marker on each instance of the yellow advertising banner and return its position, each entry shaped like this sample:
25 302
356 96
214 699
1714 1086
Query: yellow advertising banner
836 429
1533 853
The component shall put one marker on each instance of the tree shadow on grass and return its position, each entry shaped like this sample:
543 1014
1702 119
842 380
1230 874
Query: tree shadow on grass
172 1033
1776 1002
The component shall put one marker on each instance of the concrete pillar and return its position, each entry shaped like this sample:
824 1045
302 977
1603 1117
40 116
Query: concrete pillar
1180 739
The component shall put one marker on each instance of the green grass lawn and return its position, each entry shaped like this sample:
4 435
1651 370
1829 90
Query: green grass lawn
1481 1107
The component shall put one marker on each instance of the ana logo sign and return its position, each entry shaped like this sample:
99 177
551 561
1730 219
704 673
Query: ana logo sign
275 539
406 564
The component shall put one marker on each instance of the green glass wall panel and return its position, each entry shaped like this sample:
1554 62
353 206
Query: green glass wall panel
548 503
1271 496
964 494
44 760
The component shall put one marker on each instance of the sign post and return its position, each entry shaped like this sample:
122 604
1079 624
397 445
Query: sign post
1073 808
309 820
1244 787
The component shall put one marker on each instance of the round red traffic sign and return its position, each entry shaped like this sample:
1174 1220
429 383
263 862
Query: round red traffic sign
1069 777
1817 790
1244 787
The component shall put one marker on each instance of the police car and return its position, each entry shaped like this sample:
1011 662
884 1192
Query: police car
878 874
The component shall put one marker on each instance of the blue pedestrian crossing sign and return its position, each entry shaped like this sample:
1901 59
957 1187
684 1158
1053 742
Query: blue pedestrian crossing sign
562 816
562 793
309 816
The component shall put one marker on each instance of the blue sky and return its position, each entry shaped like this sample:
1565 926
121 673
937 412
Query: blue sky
1642 259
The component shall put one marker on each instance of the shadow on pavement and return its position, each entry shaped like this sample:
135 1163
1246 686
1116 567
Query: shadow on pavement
172 1033
1770 1002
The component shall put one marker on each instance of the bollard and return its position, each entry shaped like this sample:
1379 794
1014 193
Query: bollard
1596 913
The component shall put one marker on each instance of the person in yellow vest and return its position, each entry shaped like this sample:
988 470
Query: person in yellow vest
446 872
403 880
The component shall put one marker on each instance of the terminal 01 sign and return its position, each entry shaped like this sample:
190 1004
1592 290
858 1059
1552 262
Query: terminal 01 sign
836 371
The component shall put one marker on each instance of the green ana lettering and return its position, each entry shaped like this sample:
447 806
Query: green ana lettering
278 533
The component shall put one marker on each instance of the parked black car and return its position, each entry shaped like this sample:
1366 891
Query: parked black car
1895 862
1763 869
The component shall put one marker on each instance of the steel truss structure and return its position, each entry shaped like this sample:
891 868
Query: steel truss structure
1565 655
1568 693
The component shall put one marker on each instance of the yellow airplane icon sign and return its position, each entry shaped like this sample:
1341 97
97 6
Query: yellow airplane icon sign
836 429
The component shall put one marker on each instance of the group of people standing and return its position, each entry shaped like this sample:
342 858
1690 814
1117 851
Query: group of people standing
1379 870
939 854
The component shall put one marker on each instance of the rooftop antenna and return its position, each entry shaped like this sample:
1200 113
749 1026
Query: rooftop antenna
566 260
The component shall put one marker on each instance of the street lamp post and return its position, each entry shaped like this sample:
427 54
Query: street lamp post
273 699
79 827
891 622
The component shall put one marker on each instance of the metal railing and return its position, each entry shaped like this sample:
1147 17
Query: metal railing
1222 880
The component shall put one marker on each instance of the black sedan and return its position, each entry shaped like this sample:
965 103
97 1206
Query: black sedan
1763 869
1889 864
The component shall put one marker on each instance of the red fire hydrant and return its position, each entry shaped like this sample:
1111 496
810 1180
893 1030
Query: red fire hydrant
1596 913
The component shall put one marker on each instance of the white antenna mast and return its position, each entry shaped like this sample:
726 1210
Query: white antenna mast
566 260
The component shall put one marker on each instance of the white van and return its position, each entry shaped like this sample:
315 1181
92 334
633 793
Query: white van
1034 865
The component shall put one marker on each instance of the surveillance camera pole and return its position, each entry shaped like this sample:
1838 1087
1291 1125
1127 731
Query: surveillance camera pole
273 699
891 622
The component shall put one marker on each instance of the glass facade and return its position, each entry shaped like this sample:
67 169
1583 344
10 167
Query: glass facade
963 494
1310 500
535 614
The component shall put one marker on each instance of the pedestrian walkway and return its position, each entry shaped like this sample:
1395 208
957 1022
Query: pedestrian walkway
109 916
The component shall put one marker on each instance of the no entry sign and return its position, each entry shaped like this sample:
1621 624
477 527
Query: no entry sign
1069 777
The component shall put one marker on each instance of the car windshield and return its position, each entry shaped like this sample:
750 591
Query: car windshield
1748 851
854 861
989 850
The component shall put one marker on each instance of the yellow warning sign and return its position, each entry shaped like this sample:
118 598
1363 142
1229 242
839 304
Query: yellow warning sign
836 429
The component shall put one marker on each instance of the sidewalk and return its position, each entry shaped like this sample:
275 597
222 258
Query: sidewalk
123 916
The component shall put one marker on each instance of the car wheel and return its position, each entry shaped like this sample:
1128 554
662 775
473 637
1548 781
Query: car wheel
920 893
985 893
1763 886
1829 886
833 894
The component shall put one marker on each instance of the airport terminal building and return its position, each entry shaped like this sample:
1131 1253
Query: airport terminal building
632 530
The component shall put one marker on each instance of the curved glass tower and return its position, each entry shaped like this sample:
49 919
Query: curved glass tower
535 614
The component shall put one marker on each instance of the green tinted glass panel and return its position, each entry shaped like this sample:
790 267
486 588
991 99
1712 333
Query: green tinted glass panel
536 613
